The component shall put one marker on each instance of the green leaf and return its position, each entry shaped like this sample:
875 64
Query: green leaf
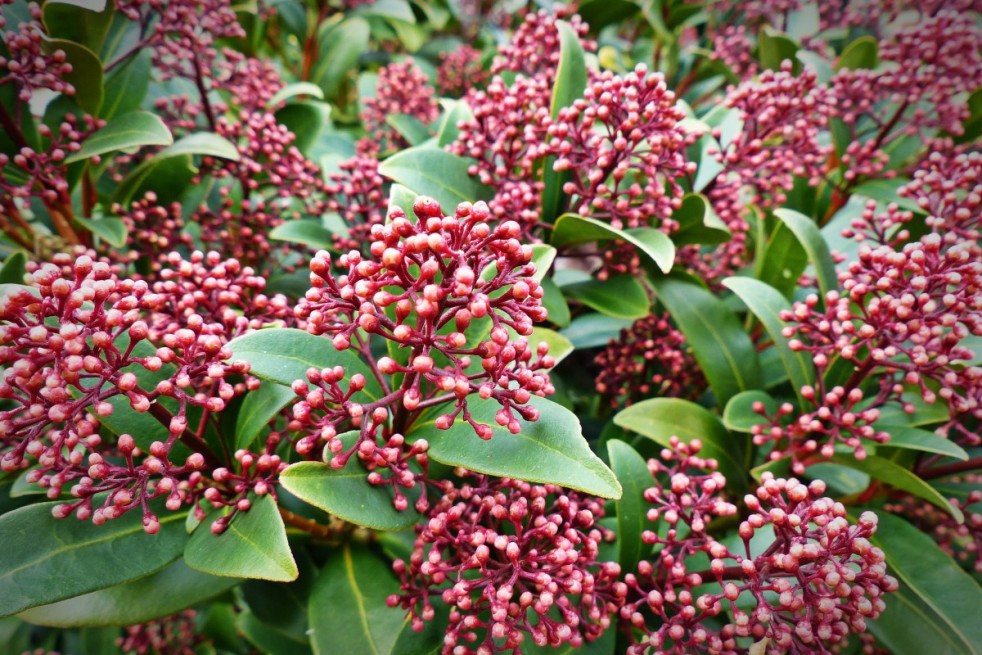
170 590
201 143
258 409
339 48
455 112
308 232
897 476
571 80
813 242
938 599
660 419
347 612
709 168
85 24
293 90
551 450
559 346
766 303
723 350
283 355
253 545
86 77
860 54
167 176
621 296
653 244
413 130
555 303
773 48
126 86
783 261
14 269
739 415
911 438
47 559
885 191
269 638
130 130
111 230
306 120
593 330
436 173
346 493
698 223
633 474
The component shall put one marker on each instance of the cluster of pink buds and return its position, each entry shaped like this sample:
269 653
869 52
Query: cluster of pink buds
457 294
173 635
732 46
817 581
506 141
949 189
649 359
184 34
154 229
514 561
402 89
28 65
460 70
356 192
534 47
250 82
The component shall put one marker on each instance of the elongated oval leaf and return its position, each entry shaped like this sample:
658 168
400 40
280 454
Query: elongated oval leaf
766 303
721 347
294 90
814 243
271 638
85 76
621 296
347 494
653 244
435 173
413 130
165 592
593 330
347 612
47 559
911 438
339 48
258 408
935 593
698 223
739 415
109 229
660 419
283 355
897 476
252 546
551 450
201 143
130 130
309 232
633 474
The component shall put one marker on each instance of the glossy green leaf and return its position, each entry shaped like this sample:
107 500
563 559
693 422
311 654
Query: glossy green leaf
653 244
911 438
110 229
621 296
14 269
258 409
937 597
86 77
85 25
413 130
307 120
555 303
721 347
293 90
897 476
594 330
767 303
698 223
163 175
126 86
709 168
660 419
170 590
783 261
435 173
633 474
739 415
813 242
860 54
253 545
270 638
283 355
559 346
773 48
551 450
47 559
130 130
339 48
346 493
347 611
308 232
455 112
201 143
885 191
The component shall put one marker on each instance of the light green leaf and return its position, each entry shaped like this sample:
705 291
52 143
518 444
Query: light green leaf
911 438
258 409
897 476
435 173
551 450
413 130
308 232
863 53
111 230
293 90
660 419
698 223
130 130
593 330
339 48
653 244
201 143
721 347
633 474
621 296
813 242
739 415
253 545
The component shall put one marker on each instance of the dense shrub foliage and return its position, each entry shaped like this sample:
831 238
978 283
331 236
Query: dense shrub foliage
424 326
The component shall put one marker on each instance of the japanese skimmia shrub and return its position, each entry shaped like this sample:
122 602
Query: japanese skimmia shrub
474 327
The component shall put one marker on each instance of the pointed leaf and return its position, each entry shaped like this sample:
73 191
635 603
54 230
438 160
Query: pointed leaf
621 296
436 173
258 408
294 90
308 232
739 414
633 474
130 130
698 223
911 438
814 244
897 476
651 243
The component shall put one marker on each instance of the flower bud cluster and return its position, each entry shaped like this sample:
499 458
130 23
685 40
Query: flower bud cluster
29 65
949 188
402 89
817 580
356 192
460 70
534 47
649 359
515 563
174 635
457 294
